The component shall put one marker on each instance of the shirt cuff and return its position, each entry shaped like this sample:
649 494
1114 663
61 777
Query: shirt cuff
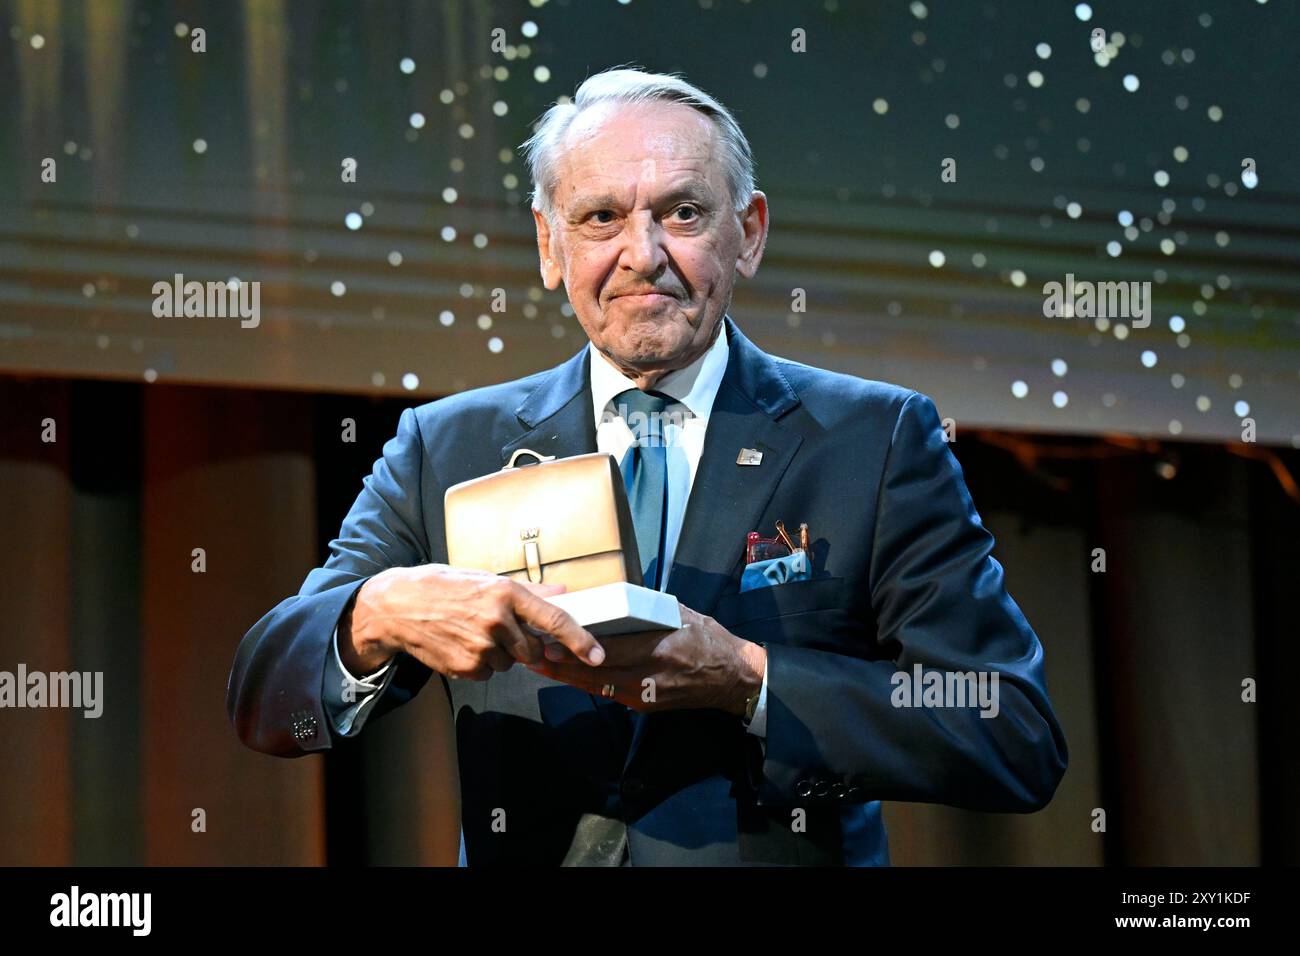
346 697
758 725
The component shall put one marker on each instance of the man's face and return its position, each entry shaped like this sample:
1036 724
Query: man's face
644 234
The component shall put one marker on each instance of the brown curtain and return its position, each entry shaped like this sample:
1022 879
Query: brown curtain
1144 661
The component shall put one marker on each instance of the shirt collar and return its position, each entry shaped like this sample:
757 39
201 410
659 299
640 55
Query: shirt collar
695 386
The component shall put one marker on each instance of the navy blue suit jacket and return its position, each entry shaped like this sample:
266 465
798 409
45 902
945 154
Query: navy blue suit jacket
903 574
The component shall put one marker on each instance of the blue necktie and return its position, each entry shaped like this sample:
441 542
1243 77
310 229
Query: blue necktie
645 475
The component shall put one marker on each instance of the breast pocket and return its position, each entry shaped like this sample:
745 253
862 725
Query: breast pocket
780 600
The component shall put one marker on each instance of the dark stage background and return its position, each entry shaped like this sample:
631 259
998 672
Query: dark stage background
174 434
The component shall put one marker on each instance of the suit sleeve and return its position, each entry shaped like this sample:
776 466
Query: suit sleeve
274 694
833 726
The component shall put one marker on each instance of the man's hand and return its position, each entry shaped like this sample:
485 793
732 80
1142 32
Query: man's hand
457 622
700 665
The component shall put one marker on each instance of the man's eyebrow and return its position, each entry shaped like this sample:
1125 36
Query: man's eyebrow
695 192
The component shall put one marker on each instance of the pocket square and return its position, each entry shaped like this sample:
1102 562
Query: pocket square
762 574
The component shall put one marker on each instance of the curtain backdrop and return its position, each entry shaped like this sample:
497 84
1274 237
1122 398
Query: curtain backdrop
1145 661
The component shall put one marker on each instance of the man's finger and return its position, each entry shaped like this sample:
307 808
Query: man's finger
543 590
622 650
518 642
549 619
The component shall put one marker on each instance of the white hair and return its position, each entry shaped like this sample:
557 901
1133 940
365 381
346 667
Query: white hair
624 85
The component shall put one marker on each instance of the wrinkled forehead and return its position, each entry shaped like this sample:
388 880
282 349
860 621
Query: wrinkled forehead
641 144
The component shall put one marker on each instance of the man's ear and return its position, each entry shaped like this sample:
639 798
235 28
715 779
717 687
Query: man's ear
754 226
547 252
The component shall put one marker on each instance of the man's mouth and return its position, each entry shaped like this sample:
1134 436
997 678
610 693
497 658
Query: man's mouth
645 298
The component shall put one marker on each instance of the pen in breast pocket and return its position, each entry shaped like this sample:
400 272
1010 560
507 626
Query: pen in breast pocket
780 529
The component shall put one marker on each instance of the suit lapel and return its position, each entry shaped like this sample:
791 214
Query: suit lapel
556 416
728 499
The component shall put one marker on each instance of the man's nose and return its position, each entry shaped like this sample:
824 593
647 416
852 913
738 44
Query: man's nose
643 251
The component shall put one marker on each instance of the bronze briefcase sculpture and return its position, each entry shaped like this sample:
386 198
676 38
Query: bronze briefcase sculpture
560 521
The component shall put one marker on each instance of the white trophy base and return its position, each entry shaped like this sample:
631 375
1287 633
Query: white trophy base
619 608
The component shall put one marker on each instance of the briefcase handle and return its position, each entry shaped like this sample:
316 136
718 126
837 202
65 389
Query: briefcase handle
526 451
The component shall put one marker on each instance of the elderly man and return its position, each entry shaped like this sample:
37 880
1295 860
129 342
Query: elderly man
779 720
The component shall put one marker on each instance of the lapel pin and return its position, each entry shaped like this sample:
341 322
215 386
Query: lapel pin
749 456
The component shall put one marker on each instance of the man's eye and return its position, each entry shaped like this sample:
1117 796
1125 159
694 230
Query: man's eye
691 211
603 212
